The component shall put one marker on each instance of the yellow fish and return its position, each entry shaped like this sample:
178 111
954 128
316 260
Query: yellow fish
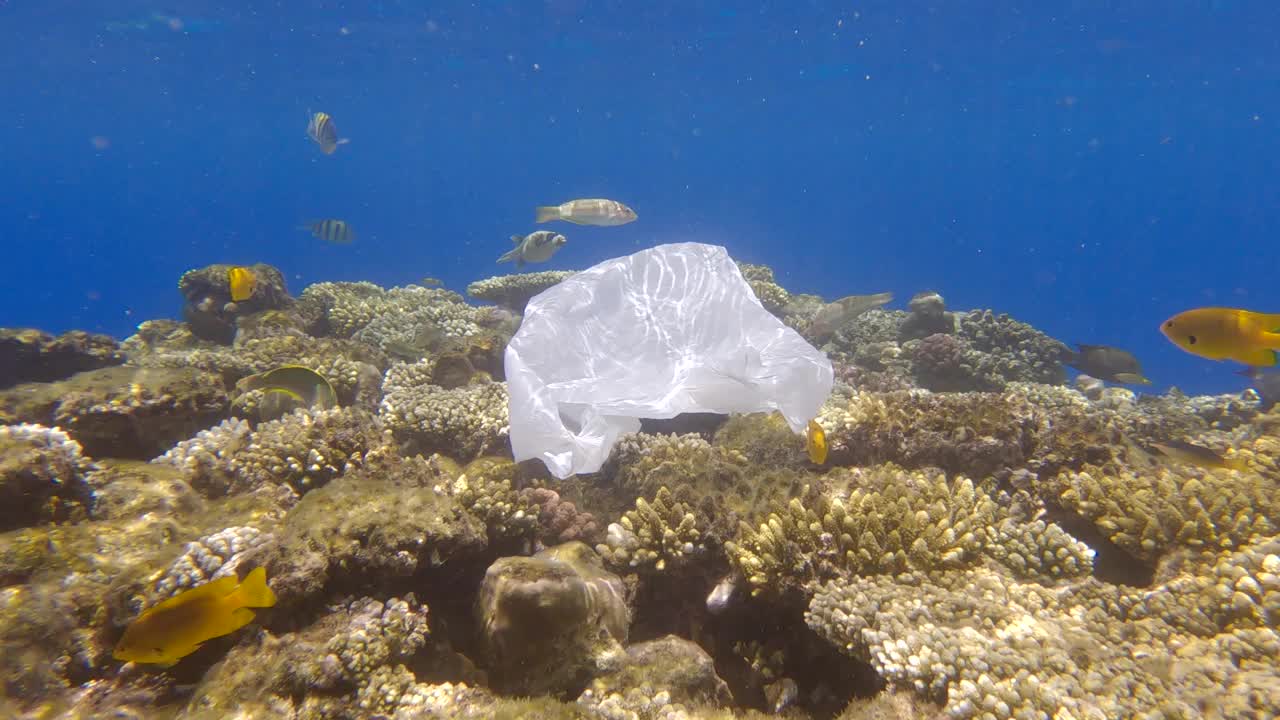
166 633
243 283
1226 334
816 443
296 382
325 134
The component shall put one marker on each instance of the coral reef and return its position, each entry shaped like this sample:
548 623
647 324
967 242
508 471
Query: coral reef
210 311
28 355
43 477
513 292
982 542
124 411
463 422
551 621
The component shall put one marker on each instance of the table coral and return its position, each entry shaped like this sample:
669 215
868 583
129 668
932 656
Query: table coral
515 291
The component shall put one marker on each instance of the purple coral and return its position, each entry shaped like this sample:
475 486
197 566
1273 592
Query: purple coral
561 521
939 364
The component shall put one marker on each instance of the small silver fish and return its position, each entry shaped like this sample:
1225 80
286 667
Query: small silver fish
588 212
836 315
535 247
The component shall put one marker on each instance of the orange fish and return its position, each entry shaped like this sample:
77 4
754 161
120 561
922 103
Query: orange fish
243 282
816 443
1226 334
166 633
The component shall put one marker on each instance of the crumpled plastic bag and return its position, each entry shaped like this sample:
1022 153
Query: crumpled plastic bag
669 330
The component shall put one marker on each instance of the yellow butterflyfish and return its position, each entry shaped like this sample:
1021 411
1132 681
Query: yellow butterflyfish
243 283
816 443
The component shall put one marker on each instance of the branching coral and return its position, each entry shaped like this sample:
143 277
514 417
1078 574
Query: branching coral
305 449
461 423
658 535
988 646
889 521
43 476
1148 513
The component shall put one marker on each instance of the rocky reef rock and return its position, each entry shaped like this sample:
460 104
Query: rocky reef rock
33 356
551 622
42 477
124 411
209 309
658 675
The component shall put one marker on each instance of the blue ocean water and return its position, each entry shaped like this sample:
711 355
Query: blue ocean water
1088 167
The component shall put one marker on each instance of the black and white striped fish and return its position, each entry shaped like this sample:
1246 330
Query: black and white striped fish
325 134
337 232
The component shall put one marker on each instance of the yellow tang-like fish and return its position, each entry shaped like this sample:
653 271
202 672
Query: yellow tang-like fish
243 283
325 134
1226 334
816 443
166 633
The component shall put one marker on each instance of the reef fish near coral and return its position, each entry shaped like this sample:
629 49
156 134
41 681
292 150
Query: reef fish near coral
300 383
1266 384
1226 334
1192 454
816 443
835 315
166 633
243 282
535 247
592 211
324 133
1106 363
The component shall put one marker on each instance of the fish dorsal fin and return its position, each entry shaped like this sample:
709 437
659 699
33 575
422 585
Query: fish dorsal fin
516 239
217 588
1086 348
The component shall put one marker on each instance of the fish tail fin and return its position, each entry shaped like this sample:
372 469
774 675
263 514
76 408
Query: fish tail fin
254 591
546 213
1250 372
510 255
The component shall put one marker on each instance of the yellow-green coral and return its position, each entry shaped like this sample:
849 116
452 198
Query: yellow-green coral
889 521
1148 513
484 487
658 535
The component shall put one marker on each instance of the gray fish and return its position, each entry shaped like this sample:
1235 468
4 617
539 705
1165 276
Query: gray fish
333 231
592 211
1106 363
537 246
1197 455
836 315
1267 385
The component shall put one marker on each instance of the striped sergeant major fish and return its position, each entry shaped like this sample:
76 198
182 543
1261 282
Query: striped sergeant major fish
325 134
333 231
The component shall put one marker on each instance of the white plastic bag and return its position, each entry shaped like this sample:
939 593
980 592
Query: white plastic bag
665 331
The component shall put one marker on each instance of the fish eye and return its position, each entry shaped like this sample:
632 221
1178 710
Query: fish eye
1169 324
1191 339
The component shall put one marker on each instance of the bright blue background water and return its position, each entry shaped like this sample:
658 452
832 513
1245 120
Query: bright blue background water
1090 170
